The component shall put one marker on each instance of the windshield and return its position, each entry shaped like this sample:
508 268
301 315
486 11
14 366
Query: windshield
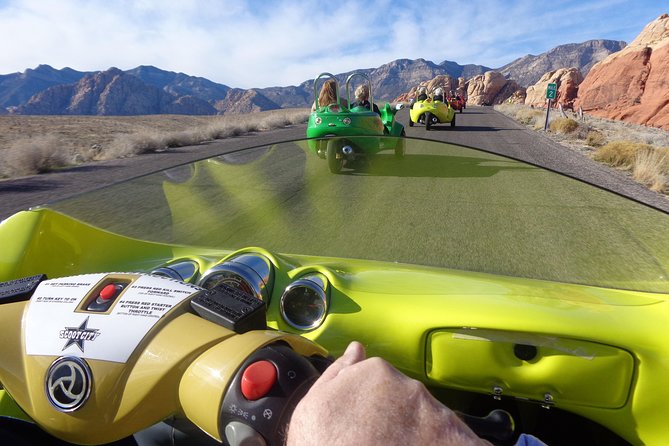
442 206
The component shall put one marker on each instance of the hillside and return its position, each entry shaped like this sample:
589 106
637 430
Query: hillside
528 69
150 90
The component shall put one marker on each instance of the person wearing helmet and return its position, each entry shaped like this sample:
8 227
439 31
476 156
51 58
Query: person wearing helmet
421 94
439 94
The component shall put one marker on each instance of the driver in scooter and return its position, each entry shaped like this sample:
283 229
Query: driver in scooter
328 95
367 401
421 94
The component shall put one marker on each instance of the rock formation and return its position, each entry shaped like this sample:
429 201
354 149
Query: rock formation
491 88
632 84
567 80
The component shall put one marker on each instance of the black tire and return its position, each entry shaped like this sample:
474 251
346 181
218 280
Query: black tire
334 164
400 148
410 122
428 120
460 110
453 121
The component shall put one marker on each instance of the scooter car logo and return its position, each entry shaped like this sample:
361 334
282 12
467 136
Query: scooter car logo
68 383
77 335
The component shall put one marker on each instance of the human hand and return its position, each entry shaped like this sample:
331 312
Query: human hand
367 401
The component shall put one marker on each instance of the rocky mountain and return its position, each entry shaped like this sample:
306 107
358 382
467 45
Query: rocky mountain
180 84
239 101
17 88
632 84
45 90
387 80
528 69
111 92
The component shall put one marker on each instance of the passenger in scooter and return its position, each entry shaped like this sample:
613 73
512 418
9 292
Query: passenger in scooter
362 99
438 95
367 401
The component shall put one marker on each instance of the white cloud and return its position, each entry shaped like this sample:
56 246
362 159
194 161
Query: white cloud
258 43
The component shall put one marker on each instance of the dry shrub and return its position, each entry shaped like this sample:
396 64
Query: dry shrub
183 138
222 130
651 168
126 145
620 153
563 125
35 155
529 116
595 138
138 143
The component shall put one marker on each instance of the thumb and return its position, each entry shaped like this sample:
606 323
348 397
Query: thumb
354 353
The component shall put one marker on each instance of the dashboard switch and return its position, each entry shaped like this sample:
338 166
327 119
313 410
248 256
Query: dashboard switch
257 380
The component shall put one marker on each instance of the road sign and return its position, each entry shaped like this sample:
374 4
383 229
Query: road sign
551 91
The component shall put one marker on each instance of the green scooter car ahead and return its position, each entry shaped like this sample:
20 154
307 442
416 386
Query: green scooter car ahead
333 128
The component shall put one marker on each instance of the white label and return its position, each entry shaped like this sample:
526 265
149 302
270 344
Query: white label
53 327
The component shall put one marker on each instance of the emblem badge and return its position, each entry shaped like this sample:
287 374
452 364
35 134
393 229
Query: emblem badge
78 335
68 383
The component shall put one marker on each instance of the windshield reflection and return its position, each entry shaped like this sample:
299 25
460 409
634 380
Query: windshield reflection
441 205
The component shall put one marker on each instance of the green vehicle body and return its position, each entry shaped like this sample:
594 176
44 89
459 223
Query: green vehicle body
337 126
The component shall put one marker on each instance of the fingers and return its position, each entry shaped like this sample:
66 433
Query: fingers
354 353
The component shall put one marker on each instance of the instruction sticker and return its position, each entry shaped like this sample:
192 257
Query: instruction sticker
59 320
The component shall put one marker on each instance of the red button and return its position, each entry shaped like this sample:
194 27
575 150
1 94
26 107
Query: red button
258 379
108 292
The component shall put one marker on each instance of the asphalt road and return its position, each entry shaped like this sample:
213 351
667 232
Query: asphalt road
479 127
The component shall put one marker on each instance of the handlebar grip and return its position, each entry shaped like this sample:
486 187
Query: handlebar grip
259 412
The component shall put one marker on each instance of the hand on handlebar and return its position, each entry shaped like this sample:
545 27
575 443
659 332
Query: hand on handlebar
368 401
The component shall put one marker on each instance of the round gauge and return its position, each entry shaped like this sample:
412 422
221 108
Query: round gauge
304 303
183 270
251 273
231 279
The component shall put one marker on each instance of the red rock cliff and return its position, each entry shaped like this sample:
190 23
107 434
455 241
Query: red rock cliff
632 84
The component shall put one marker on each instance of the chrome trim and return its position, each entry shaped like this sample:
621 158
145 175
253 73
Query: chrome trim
316 282
254 269
68 383
185 270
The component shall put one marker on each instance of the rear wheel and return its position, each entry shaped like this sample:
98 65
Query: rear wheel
334 164
428 120
453 121
410 122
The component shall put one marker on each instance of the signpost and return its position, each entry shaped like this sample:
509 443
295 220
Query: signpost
551 93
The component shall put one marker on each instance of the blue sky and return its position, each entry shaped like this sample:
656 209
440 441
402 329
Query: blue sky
263 43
